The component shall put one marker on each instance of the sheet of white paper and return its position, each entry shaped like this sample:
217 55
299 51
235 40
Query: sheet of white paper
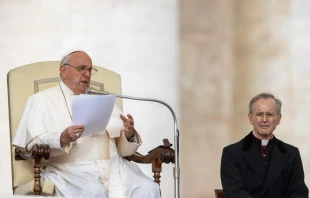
92 111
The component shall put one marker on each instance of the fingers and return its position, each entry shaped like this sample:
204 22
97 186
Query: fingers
75 136
130 116
128 120
71 134
76 128
79 126
75 132
128 124
123 117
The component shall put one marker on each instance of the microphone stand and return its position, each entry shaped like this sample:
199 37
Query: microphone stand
176 168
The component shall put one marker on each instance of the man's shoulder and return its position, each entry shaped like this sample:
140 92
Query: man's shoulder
45 94
243 144
235 146
285 147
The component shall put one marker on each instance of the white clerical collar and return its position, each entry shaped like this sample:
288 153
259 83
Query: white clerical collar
263 142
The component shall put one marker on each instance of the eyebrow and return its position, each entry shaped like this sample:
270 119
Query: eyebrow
267 112
84 66
80 66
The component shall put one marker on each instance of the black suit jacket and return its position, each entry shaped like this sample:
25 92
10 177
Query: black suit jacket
243 171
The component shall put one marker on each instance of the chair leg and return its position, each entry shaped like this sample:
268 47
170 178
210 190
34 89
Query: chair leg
156 169
37 178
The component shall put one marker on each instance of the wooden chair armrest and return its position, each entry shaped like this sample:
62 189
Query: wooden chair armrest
157 156
37 152
163 153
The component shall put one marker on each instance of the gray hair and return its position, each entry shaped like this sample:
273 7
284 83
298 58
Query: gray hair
265 96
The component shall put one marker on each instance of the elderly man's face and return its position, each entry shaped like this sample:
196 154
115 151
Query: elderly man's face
264 117
77 81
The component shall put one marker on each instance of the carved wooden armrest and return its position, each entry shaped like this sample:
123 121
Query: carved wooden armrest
157 156
37 152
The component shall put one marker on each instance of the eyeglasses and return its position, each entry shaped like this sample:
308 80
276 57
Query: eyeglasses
82 69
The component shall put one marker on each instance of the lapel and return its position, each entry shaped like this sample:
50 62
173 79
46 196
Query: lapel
251 154
278 161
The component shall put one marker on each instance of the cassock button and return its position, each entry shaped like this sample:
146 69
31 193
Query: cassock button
265 162
264 155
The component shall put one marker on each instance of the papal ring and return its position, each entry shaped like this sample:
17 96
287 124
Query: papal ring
77 135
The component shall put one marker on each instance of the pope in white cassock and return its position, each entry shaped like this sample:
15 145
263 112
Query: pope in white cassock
90 166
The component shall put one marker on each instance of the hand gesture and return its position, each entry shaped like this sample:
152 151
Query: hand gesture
128 125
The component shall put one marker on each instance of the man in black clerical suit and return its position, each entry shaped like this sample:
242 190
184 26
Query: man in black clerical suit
260 165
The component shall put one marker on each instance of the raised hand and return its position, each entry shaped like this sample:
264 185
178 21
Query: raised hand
128 125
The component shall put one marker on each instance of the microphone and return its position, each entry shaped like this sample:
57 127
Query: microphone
176 168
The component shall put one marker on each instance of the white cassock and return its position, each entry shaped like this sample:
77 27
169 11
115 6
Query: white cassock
93 165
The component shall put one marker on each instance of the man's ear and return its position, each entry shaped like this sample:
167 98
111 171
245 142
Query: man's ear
279 118
250 118
63 71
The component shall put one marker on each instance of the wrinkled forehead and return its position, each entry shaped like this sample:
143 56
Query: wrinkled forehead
265 105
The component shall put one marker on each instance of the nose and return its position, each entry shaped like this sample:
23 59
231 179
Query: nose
264 118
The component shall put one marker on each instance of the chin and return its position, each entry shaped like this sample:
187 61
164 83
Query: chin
83 91
265 131
265 134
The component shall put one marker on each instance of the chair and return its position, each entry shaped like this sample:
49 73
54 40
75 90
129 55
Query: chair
29 79
219 193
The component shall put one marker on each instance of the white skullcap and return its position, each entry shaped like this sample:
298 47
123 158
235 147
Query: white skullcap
70 52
